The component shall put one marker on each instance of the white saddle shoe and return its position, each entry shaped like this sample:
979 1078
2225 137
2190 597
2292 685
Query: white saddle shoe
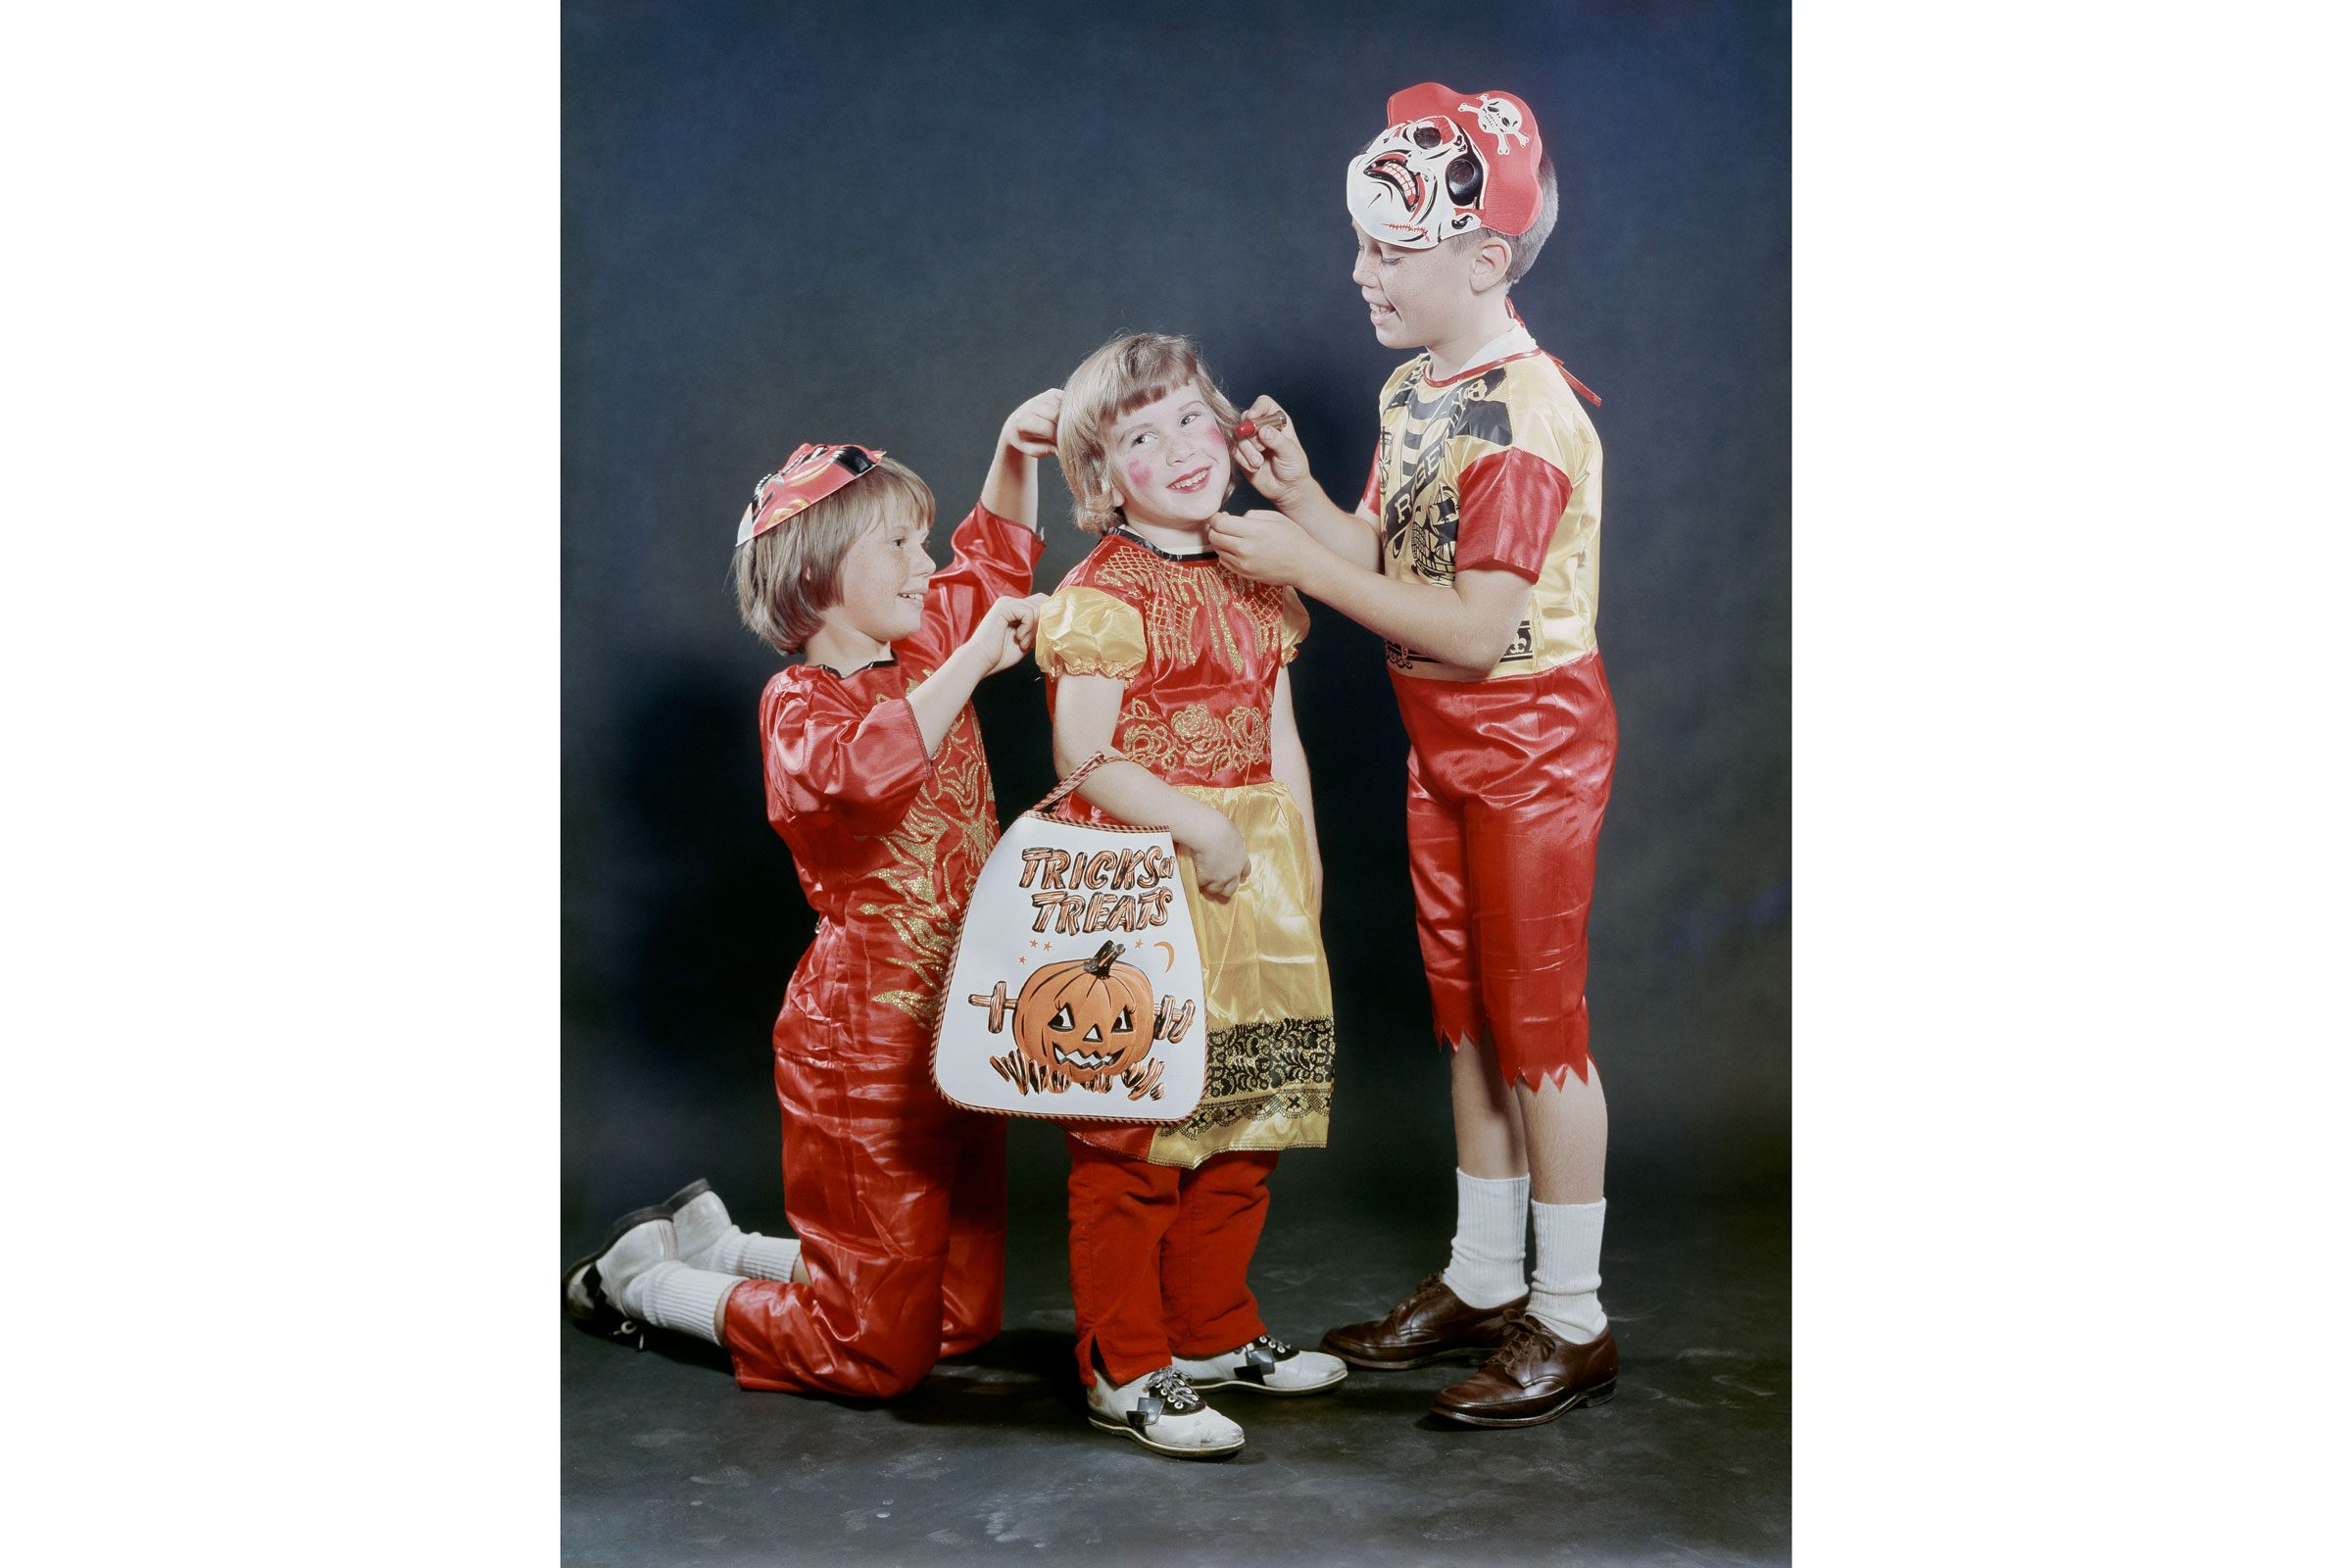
1162 1411
1265 1364
594 1286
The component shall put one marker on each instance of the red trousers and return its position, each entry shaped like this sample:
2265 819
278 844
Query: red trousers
1159 1257
1505 790
899 1200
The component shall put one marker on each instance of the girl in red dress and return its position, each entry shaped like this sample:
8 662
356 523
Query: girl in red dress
1157 655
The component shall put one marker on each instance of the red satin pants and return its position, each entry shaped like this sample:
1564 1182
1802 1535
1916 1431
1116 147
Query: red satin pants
1504 791
899 1200
1159 1257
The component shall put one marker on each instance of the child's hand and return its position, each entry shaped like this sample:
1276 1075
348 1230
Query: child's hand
1007 633
1267 452
1262 546
1032 427
1221 864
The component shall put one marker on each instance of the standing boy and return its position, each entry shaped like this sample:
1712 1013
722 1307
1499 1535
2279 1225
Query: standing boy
1475 554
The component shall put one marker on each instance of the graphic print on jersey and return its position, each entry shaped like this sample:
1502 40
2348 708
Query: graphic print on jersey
1420 510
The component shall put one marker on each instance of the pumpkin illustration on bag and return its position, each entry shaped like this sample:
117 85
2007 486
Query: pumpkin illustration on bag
1087 1023
1088 1019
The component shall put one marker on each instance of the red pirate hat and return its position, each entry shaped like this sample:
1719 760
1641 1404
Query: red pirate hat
1447 164
808 475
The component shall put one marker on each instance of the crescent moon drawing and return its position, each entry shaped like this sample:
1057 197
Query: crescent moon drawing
1170 949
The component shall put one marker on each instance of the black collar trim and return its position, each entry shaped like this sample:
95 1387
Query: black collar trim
1130 535
845 675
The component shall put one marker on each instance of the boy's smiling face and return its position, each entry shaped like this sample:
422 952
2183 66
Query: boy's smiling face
1169 462
883 578
1417 298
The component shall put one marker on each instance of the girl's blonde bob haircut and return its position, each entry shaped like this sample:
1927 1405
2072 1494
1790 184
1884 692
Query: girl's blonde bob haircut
1124 374
789 577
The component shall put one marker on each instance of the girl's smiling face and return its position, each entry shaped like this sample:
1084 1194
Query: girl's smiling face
1169 462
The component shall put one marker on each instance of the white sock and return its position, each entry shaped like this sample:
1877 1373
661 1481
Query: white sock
683 1300
1489 1266
1566 1298
766 1258
708 1239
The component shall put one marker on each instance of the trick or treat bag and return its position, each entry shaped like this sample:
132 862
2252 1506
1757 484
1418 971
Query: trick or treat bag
1076 988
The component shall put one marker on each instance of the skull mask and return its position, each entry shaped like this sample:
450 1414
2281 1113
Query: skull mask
1417 185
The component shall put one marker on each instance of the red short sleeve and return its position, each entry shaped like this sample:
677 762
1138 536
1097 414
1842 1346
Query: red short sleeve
994 557
827 751
1511 501
1370 504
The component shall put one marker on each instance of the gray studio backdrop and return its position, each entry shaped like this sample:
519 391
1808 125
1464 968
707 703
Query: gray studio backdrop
890 223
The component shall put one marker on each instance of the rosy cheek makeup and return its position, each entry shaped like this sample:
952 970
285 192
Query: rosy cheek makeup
1139 477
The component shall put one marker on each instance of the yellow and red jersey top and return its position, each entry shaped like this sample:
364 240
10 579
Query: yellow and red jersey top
1494 467
887 841
1198 648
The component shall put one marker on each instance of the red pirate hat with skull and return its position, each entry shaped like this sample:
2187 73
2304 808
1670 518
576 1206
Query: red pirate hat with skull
1448 162
808 476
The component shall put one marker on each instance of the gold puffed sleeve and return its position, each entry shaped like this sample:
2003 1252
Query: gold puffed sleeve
1085 631
1293 623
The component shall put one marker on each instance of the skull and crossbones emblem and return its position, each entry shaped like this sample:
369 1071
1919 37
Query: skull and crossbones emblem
1498 119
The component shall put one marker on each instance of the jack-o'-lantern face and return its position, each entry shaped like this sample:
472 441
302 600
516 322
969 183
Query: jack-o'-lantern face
1087 1019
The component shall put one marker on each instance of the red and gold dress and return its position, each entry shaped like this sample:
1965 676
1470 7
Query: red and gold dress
898 1197
1164 1220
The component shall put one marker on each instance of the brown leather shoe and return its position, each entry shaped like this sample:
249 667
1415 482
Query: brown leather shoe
1430 1325
1536 1377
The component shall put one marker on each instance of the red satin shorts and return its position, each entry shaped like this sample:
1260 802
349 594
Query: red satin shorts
1504 791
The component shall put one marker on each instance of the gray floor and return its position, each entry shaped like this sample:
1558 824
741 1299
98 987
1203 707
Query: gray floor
665 1461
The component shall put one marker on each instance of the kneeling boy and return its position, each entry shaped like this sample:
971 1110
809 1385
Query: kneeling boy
877 781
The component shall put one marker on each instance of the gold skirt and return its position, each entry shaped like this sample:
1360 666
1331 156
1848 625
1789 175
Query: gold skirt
1270 1039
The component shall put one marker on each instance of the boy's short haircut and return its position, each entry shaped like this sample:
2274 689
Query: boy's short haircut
1124 374
787 577
1525 248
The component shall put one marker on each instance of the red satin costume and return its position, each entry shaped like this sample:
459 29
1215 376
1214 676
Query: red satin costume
1498 468
898 1197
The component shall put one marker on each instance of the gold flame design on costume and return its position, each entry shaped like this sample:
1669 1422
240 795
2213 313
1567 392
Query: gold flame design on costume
949 818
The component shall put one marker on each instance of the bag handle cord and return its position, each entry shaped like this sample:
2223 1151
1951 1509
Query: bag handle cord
1064 790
